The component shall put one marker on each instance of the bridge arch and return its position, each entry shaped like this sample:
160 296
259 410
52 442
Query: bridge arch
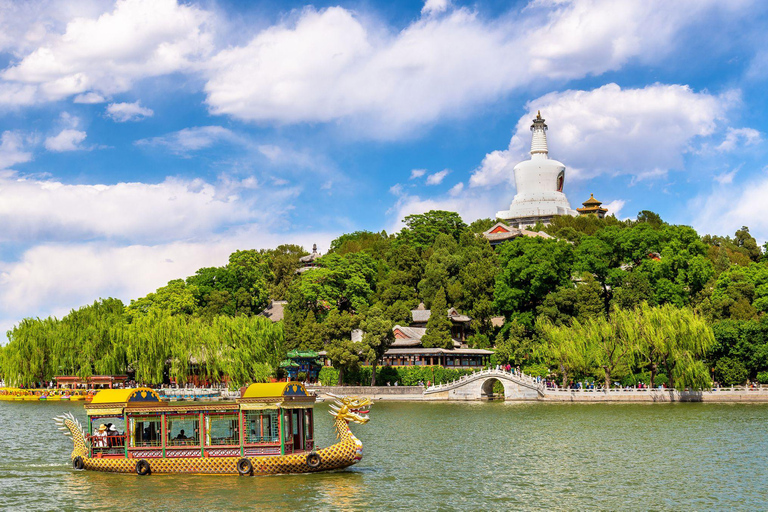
479 386
486 388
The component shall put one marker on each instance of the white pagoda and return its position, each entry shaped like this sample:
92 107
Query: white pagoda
539 184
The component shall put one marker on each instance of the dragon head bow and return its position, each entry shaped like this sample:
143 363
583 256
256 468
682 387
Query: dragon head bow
351 408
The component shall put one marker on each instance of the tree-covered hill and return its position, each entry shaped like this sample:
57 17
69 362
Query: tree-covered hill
593 273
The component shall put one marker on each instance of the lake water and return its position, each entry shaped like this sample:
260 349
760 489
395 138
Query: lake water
440 456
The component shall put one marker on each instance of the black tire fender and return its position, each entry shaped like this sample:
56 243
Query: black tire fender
78 463
244 467
142 468
313 459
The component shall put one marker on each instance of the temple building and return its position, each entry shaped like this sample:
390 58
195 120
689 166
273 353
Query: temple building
302 361
500 233
539 183
309 261
592 207
407 349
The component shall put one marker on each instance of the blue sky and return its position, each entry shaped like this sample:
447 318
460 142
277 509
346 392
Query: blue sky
143 139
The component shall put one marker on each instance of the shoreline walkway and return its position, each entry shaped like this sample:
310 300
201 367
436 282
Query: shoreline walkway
521 387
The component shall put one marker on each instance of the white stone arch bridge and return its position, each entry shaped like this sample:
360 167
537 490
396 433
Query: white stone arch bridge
479 386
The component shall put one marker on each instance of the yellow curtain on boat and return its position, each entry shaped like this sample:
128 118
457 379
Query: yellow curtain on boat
258 406
117 411
297 405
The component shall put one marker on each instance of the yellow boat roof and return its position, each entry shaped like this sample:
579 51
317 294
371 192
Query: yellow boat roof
275 390
116 396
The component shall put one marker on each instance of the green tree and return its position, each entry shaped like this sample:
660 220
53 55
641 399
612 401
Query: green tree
748 243
730 372
438 333
283 261
531 268
563 347
422 230
176 298
595 257
377 338
345 356
442 268
673 338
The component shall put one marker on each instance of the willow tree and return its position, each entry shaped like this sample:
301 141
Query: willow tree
246 349
28 358
676 339
560 345
594 344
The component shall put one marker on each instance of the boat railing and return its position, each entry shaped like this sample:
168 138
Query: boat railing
108 445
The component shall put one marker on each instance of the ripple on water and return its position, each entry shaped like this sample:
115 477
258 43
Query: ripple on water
441 456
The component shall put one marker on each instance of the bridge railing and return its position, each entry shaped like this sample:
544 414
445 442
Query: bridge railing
625 390
514 374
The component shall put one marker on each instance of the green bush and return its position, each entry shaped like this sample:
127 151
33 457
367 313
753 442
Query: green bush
762 377
645 378
730 372
403 375
328 376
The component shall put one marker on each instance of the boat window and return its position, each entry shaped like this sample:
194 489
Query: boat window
108 434
261 427
287 432
183 429
221 429
308 425
146 430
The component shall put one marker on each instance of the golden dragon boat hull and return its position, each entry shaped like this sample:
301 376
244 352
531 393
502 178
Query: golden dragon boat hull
338 456
224 461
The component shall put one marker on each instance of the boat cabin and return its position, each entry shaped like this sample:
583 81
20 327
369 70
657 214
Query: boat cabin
268 419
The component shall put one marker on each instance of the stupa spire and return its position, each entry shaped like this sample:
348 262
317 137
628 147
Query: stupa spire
539 141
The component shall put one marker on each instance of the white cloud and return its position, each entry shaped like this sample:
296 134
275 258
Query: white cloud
471 204
644 132
174 209
438 177
52 278
396 189
288 157
66 140
417 173
739 136
434 7
191 139
331 64
13 149
122 112
106 52
726 178
614 207
89 98
729 207
456 190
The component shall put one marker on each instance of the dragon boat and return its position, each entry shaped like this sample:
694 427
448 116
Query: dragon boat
269 430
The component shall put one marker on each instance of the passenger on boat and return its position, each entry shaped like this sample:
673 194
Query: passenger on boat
181 435
100 437
113 436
